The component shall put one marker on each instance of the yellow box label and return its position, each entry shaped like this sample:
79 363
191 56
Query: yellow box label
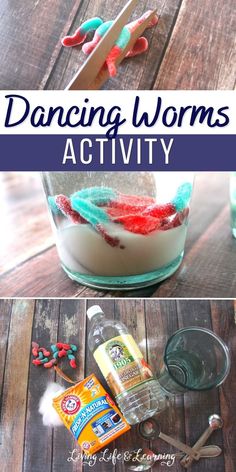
122 364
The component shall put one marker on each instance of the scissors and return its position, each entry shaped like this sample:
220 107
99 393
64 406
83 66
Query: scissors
92 75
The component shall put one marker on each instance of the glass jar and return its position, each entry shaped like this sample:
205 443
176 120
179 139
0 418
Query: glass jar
119 229
233 202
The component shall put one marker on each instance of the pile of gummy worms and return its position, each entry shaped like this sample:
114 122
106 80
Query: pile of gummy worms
42 355
98 206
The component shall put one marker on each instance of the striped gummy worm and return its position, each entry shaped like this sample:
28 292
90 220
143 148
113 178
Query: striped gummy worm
90 212
94 215
100 28
60 204
97 195
117 49
182 197
81 33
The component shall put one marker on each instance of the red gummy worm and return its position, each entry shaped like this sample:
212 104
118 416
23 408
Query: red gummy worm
50 364
160 211
89 47
37 362
62 353
142 200
45 352
63 346
35 349
35 352
140 47
139 224
73 363
136 23
74 40
180 217
123 209
111 240
111 60
64 205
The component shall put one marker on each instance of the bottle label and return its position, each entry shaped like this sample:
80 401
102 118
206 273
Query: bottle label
122 364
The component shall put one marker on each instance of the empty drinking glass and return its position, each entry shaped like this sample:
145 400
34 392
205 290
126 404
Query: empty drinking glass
194 359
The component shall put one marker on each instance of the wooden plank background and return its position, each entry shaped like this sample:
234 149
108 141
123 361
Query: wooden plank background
26 445
192 47
29 264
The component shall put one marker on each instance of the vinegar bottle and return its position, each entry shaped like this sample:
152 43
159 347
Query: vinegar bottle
137 393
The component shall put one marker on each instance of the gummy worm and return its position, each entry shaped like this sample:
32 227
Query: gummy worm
138 214
60 204
97 195
95 215
101 28
81 33
90 212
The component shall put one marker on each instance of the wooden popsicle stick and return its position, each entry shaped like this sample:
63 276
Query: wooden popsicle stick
103 75
89 70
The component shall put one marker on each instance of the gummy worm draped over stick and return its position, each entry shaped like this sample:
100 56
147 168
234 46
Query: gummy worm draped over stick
100 28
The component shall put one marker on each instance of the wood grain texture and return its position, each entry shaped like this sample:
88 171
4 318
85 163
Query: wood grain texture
202 50
72 329
30 32
191 313
161 319
208 269
5 319
14 396
38 439
192 47
136 73
224 324
26 445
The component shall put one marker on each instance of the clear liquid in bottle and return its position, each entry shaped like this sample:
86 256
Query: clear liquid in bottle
137 392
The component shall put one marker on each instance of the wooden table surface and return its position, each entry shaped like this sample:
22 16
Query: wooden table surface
29 264
192 47
28 446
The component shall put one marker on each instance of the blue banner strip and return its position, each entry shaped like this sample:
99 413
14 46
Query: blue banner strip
125 153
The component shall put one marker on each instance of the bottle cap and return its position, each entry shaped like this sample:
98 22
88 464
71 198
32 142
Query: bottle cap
93 310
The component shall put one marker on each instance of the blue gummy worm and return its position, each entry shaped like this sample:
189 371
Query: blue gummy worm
90 25
53 206
182 197
124 37
90 212
54 348
45 360
97 195
73 347
71 357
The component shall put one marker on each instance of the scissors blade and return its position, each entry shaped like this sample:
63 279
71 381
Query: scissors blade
103 74
94 63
